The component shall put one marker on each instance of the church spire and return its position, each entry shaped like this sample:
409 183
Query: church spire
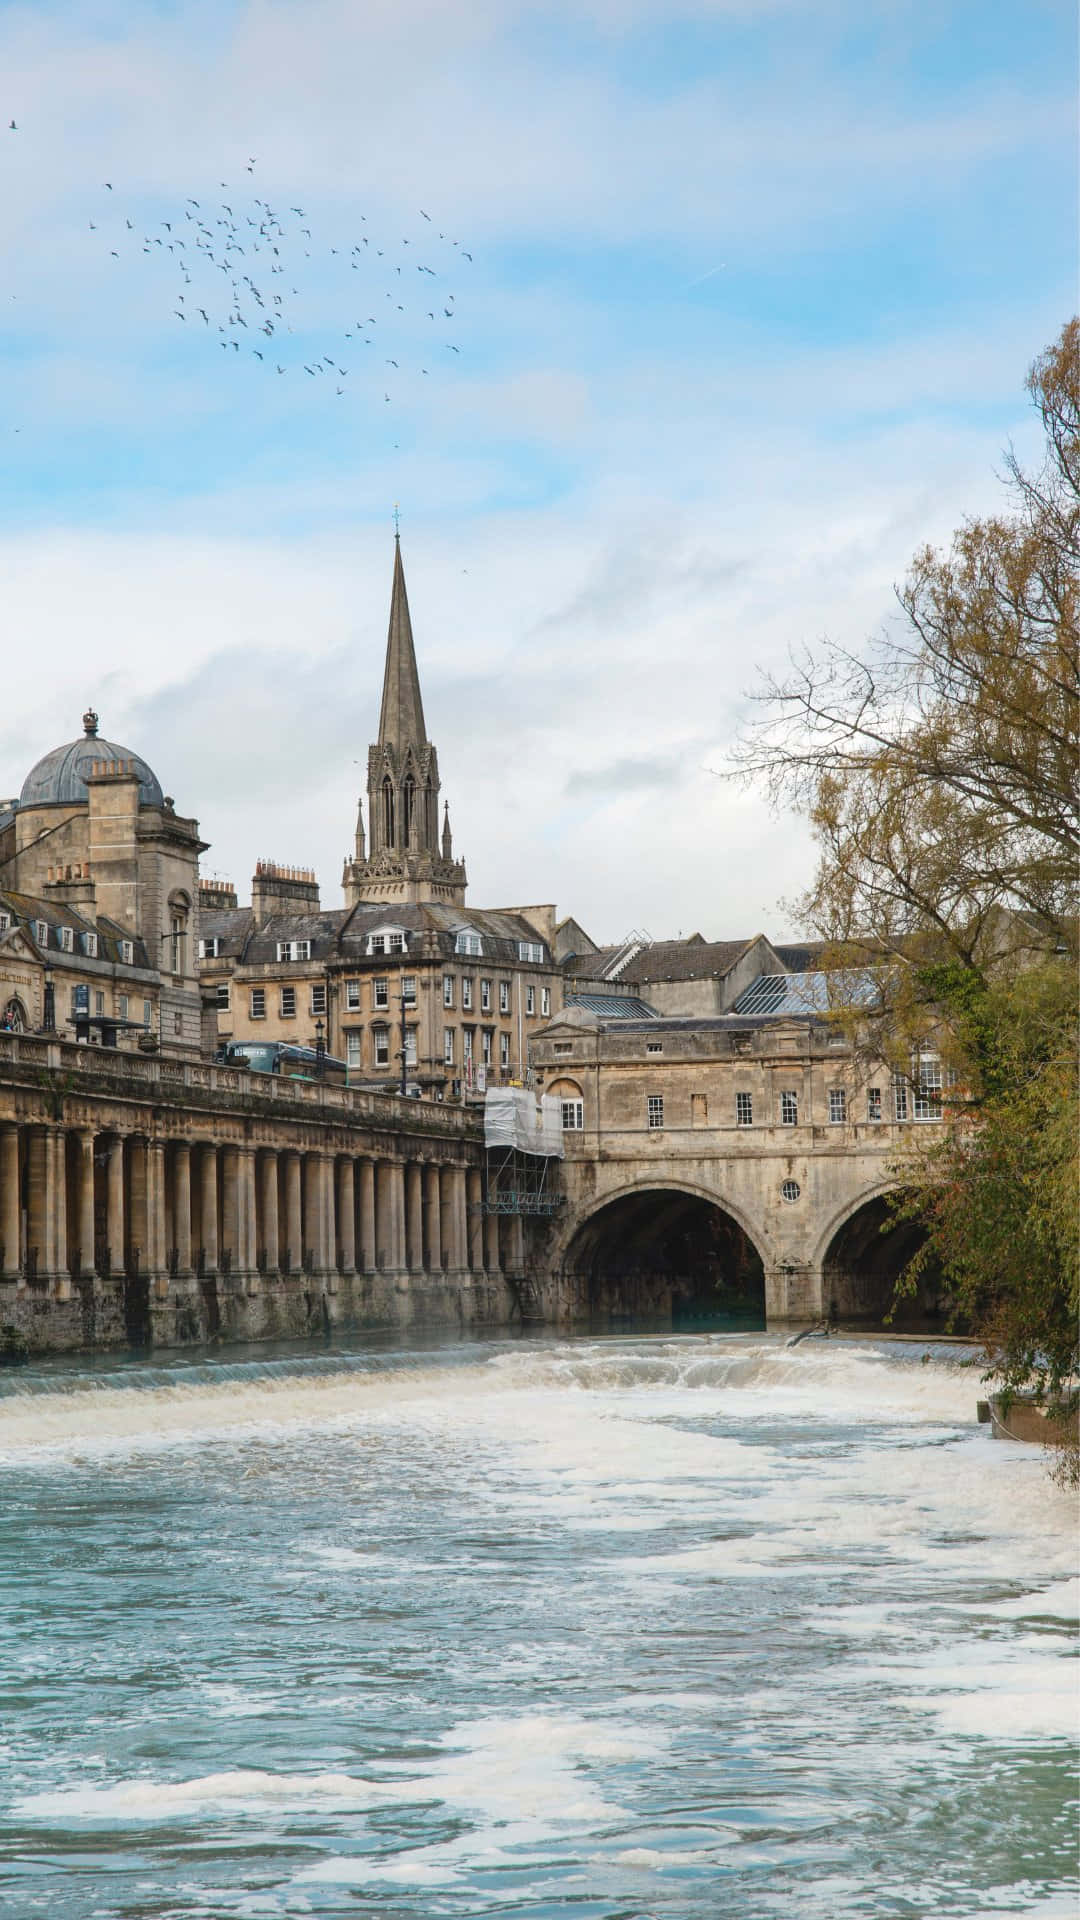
401 717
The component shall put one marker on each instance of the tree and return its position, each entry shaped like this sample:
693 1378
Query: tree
939 771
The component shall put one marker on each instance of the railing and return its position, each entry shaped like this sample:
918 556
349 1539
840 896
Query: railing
145 1072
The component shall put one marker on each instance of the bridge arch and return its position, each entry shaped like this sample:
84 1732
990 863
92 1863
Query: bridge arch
669 1252
861 1255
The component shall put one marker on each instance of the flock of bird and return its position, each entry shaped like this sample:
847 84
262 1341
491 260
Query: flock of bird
255 281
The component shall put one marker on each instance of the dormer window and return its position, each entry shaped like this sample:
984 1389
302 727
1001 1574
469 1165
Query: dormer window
210 949
41 932
90 945
67 940
531 950
468 942
387 940
294 949
127 952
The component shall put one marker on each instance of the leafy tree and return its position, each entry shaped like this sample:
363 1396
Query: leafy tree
939 771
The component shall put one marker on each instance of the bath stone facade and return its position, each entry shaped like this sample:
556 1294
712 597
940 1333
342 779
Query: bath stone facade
99 900
155 1201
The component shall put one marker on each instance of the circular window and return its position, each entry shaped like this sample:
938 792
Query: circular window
790 1190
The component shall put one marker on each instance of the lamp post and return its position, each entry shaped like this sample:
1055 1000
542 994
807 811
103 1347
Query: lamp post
49 1021
404 1037
320 1049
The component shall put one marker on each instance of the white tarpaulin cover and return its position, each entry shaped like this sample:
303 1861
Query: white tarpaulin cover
513 1120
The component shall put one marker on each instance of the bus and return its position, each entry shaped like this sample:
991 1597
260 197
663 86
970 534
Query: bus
290 1062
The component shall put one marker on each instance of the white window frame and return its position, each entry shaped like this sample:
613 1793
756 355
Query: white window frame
545 1002
354 1047
468 941
744 1108
837 1106
380 1042
352 996
654 1112
448 1046
318 997
41 932
89 941
900 1099
380 993
573 1116
257 1003
530 1000
294 949
485 996
448 989
147 1012
99 1002
487 1042
127 952
929 1087
466 995
409 989
210 948
287 1003
789 1107
530 950
224 999
873 1105
504 996
67 940
504 1053
411 1047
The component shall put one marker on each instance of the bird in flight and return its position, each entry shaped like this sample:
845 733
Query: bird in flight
12 128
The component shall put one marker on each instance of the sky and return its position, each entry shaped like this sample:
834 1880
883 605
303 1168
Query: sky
710 313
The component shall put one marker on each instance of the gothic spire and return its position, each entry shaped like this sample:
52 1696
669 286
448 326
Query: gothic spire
401 717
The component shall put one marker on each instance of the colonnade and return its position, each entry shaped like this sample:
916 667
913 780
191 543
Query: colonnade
77 1203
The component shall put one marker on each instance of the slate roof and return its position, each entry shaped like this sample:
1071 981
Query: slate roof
342 933
25 909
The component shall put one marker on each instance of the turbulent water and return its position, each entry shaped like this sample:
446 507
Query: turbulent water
655 1629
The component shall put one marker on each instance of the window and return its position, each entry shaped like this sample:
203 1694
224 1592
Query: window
530 950
504 1053
127 952
563 1046
928 1085
836 1037
67 940
210 948
396 943
900 1099
354 1049
408 989
99 1002
448 989
789 1190
573 1116
380 993
468 942
466 994
5 922
448 1046
487 1042
744 1109
147 1013
653 1046
288 1003
89 941
837 1106
294 949
530 999
177 937
654 1107
377 943
485 996
410 1046
223 996
545 1001
504 996
121 1006
41 932
352 996
789 1109
873 1103
381 1039
258 1003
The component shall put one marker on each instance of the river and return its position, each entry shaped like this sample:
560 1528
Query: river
657 1628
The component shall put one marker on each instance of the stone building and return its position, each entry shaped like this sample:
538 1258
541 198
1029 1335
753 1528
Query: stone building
406 974
99 901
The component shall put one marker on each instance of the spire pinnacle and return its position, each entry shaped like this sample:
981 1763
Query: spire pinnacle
401 717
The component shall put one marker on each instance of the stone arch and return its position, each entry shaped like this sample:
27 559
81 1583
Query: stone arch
862 1254
665 1252
13 1017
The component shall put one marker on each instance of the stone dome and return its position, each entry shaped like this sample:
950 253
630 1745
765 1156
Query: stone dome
60 777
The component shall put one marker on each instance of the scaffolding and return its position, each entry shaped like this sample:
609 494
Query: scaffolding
522 1138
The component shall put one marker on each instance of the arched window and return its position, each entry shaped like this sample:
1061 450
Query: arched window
13 1018
388 812
408 793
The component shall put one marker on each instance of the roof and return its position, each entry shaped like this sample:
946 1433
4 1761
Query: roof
26 909
691 959
810 992
401 716
60 777
799 955
612 1006
343 931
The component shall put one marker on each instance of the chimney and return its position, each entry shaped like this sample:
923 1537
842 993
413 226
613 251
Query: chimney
278 889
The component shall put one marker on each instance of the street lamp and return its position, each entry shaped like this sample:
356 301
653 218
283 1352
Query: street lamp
49 1022
320 1049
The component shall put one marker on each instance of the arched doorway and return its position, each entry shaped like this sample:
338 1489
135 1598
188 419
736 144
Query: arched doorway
664 1257
863 1262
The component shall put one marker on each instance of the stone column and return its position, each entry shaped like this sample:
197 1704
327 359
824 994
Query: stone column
368 1249
114 1205
414 1218
245 1210
390 1214
315 1209
56 1209
491 1242
36 1246
208 1169
474 1219
182 1206
268 1191
346 1215
157 1258
328 1201
10 1203
456 1236
230 1196
137 1225
85 1202
293 1213
432 1221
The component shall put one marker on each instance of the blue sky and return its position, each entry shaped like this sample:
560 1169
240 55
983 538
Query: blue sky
752 294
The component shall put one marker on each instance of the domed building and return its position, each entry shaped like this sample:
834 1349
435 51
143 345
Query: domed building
99 901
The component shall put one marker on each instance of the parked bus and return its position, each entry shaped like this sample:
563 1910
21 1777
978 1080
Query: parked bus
292 1063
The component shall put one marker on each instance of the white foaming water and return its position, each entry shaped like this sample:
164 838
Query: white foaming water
706 1627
